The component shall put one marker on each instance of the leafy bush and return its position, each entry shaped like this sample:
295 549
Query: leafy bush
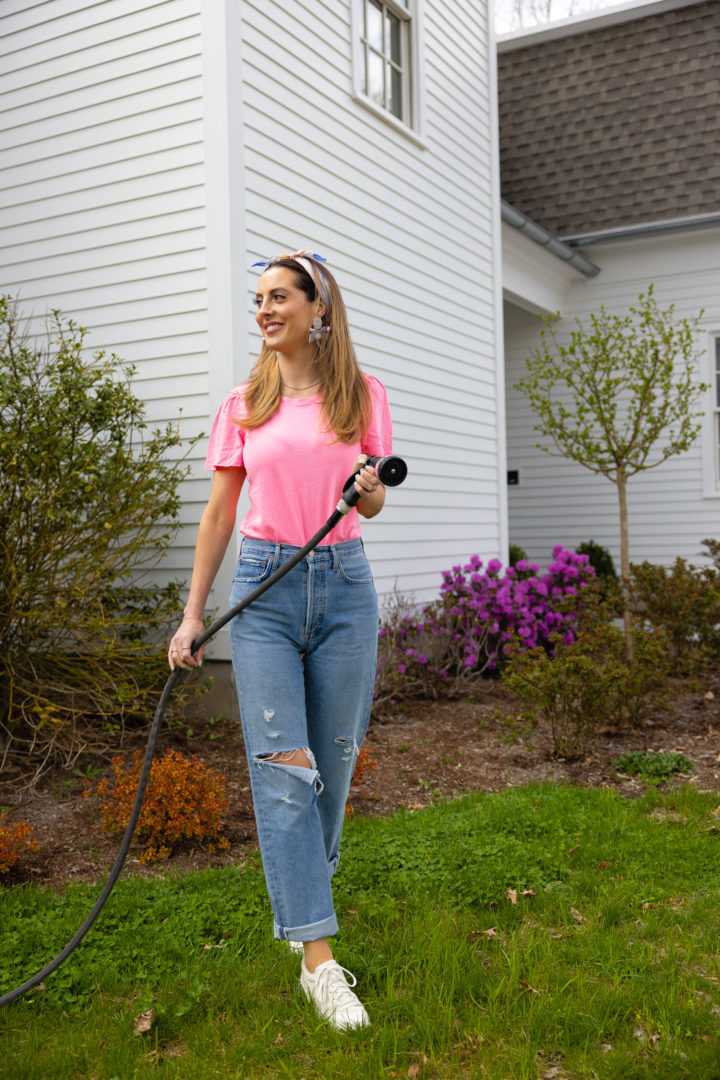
88 507
447 648
587 684
600 559
491 608
652 767
365 763
14 841
515 554
683 602
185 800
423 656
712 552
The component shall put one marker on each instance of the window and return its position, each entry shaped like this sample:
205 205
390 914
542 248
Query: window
387 60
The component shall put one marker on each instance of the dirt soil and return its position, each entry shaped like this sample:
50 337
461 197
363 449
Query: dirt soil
431 750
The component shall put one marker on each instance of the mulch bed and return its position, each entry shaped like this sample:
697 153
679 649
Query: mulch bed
429 751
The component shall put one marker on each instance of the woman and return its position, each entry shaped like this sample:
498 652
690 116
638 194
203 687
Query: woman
304 653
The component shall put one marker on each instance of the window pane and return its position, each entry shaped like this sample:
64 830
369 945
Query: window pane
394 39
717 390
374 24
375 78
395 104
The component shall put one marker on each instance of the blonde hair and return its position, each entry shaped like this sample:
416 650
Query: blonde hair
346 399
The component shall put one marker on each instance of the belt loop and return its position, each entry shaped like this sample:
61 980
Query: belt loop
276 556
335 556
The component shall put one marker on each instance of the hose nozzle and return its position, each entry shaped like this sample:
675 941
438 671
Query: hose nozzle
390 469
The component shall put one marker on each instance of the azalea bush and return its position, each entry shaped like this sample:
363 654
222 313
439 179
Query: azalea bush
493 606
456 640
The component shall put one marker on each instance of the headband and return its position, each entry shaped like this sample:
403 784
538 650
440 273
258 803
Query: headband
301 257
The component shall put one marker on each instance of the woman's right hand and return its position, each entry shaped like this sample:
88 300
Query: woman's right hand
179 652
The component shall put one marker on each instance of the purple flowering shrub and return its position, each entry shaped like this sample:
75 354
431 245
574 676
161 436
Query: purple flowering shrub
492 607
420 655
455 640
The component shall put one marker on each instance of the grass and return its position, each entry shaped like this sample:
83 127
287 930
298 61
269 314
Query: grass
547 933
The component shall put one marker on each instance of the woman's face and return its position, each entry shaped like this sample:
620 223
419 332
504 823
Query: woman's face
283 311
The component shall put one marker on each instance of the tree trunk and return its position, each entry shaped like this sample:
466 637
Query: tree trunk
625 564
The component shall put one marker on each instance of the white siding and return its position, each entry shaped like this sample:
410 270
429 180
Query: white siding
103 204
409 233
153 149
671 508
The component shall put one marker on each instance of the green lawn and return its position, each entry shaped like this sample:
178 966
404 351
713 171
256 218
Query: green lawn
605 967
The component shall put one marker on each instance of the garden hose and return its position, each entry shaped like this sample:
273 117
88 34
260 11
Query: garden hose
391 471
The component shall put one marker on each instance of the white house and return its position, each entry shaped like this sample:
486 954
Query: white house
152 150
609 128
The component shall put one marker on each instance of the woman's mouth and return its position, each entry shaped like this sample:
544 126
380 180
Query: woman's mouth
272 328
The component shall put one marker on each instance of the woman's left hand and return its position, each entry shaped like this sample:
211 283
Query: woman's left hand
367 480
369 487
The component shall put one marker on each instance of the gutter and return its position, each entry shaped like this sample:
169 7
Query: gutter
545 239
650 228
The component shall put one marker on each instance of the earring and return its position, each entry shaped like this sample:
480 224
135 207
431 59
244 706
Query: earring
317 330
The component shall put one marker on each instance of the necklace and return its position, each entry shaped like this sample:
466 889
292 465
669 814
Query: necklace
288 386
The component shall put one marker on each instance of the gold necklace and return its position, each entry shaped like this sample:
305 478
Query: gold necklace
309 385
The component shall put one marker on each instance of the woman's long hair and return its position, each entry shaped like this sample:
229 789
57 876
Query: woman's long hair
346 398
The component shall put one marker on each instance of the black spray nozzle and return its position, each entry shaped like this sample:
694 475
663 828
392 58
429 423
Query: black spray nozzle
391 471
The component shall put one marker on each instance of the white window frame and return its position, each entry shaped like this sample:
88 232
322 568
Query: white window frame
413 87
711 427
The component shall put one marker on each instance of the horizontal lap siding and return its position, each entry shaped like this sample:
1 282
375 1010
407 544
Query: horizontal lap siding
408 233
103 205
561 502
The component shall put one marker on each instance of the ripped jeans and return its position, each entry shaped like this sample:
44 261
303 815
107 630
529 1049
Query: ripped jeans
304 657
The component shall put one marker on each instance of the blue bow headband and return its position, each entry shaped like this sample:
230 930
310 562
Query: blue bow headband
302 258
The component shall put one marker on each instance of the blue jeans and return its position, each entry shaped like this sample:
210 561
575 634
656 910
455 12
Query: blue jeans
304 657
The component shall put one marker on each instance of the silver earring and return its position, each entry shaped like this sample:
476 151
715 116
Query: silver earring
317 330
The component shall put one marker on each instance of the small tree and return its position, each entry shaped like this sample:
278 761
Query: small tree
88 506
619 398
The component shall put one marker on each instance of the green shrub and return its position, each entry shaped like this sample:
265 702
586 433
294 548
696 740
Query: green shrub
712 552
516 554
88 507
600 559
652 767
588 684
684 603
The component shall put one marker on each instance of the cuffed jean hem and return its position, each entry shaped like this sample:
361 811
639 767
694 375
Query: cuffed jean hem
310 932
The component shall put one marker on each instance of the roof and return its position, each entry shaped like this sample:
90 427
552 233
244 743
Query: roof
616 123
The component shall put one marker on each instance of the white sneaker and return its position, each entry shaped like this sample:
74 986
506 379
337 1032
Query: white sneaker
331 995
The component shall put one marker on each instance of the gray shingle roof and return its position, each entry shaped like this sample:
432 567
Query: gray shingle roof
614 126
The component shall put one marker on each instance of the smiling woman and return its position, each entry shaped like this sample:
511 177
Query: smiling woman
304 653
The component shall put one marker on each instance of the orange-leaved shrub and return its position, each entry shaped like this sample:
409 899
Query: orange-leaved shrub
185 800
363 764
14 840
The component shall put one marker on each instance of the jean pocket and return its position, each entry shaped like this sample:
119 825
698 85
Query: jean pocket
354 568
252 568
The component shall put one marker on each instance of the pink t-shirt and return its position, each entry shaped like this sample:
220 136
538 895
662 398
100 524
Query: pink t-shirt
295 472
